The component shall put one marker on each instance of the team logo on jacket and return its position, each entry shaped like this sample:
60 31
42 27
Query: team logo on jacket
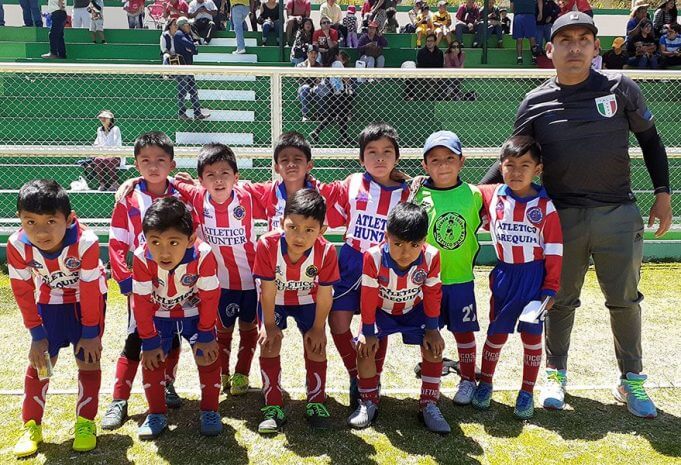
239 212
207 213
419 277
606 106
535 215
72 263
36 265
189 279
311 271
450 230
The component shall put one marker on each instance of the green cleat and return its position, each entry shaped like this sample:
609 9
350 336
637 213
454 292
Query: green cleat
85 435
274 419
239 384
27 444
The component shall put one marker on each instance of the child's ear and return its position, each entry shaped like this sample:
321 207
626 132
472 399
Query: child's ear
71 218
463 160
192 239
424 166
310 165
236 177
173 165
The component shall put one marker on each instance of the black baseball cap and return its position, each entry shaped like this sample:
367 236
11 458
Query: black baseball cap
573 18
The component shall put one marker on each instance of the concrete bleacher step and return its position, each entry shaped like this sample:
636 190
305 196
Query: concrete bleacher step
231 42
237 95
226 115
223 78
225 58
200 138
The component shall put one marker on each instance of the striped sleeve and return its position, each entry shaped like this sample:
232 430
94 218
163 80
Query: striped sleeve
552 236
119 245
432 291
332 193
91 298
329 274
23 287
259 193
190 194
209 295
264 264
369 301
143 306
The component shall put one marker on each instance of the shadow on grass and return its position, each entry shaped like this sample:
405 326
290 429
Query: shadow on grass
111 448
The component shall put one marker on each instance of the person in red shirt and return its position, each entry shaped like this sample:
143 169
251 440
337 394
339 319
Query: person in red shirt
296 12
326 39
175 9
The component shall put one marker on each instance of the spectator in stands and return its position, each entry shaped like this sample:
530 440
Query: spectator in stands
310 88
296 12
253 8
238 13
430 56
616 57
639 12
350 24
167 43
269 19
577 5
642 48
391 24
551 11
80 17
2 14
670 46
370 47
326 39
525 15
333 13
505 21
494 27
337 105
106 168
597 61
454 57
377 13
665 14
57 8
442 23
413 14
134 10
467 17
96 10
30 10
186 85
176 8
203 12
424 24
302 40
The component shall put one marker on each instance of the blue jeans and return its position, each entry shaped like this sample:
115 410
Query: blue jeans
543 35
268 27
2 14
186 85
136 22
57 45
239 15
644 62
491 31
31 12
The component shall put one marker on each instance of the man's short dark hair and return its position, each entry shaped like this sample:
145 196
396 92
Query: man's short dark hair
517 146
168 213
295 140
431 34
376 131
408 222
157 139
43 197
308 203
214 153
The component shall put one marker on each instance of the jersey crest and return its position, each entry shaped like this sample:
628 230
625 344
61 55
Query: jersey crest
449 230
606 106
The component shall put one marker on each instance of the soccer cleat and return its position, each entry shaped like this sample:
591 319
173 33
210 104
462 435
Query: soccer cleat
275 418
464 393
354 393
431 416
524 405
173 400
317 415
85 435
225 380
552 395
27 444
239 384
115 415
482 397
364 415
153 426
630 391
211 423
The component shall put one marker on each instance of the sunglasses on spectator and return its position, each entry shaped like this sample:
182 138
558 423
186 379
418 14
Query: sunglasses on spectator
326 22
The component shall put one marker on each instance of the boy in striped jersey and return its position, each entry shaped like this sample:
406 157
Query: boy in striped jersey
401 293
176 292
528 241
296 268
59 285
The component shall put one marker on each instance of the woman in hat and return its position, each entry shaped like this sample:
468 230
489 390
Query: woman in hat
105 168
665 15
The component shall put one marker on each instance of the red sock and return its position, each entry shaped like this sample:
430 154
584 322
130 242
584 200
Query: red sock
368 389
531 359
89 382
248 339
465 344
380 355
171 361
34 396
209 376
430 382
126 370
225 344
315 377
490 355
347 350
270 369
154 384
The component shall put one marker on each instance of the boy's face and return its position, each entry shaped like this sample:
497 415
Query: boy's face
168 247
380 158
443 166
292 165
671 34
154 164
45 231
402 252
519 172
219 179
301 232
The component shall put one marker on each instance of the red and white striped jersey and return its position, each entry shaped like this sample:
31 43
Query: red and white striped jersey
363 206
297 283
125 234
229 230
387 287
525 230
191 289
73 274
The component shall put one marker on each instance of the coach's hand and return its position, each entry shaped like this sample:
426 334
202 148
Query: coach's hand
152 359
92 349
184 177
267 336
206 352
433 342
126 188
367 346
662 210
36 354
315 340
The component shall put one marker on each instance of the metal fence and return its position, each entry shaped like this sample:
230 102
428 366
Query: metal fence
48 119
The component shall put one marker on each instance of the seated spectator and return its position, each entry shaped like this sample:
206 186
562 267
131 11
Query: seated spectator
665 14
134 10
577 5
337 105
442 23
391 24
203 12
168 44
350 23
371 47
365 14
269 19
550 12
597 61
333 13
302 40
296 11
642 48
424 24
326 39
310 88
96 10
377 13
176 8
468 16
616 57
670 46
430 56
505 21
454 58
494 26
413 13
105 169
639 12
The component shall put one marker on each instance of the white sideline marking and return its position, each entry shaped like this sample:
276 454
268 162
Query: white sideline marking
225 58
231 42
211 137
224 78
231 95
226 115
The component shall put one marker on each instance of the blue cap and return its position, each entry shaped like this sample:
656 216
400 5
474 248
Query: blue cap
443 139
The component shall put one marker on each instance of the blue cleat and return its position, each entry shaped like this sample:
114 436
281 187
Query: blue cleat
211 423
153 426
482 397
630 391
524 406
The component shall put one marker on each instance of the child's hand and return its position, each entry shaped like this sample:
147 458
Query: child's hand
209 351
549 304
367 346
268 334
433 342
184 177
152 359
127 187
315 340
36 354
92 349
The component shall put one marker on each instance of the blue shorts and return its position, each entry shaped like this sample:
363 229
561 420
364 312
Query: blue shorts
346 291
459 311
524 26
513 287
169 328
63 327
412 325
303 314
233 304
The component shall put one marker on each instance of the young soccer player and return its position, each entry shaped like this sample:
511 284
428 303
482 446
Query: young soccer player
225 217
59 285
401 293
154 155
454 212
176 292
528 242
296 268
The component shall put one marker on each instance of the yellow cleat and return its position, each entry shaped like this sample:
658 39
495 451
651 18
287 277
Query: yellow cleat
85 435
226 384
28 442
239 384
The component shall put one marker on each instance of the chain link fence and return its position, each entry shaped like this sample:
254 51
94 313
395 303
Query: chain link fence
48 119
